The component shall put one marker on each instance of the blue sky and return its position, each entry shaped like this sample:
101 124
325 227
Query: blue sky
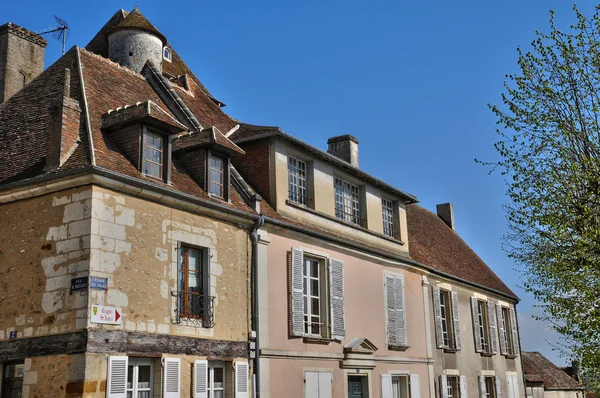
410 80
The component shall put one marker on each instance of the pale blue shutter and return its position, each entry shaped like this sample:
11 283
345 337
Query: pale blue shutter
336 289
456 322
437 311
296 299
476 331
492 323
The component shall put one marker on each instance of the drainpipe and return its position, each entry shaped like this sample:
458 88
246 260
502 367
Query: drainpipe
520 351
254 281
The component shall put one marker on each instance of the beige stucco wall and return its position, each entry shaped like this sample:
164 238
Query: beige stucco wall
365 315
323 195
467 362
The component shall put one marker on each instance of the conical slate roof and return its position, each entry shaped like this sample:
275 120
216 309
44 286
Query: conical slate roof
135 20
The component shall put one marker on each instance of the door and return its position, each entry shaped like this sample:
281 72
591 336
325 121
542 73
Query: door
216 380
357 387
12 381
139 378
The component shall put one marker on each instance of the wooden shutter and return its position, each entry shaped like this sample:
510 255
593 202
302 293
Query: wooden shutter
456 322
515 332
200 379
401 318
207 316
117 377
482 386
476 331
415 386
172 377
325 385
513 386
437 311
511 391
386 386
296 298
503 347
311 385
241 379
443 386
463 387
392 330
498 387
336 296
492 324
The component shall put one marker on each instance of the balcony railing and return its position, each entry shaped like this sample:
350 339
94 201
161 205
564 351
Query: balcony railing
349 217
297 198
193 309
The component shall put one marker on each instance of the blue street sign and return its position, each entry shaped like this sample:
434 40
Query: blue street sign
98 283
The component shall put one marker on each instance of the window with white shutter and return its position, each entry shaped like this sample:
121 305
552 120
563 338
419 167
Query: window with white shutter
487 387
296 293
492 327
200 381
484 326
117 377
415 386
241 379
386 386
395 311
513 386
456 322
443 384
447 327
515 332
336 290
318 385
498 387
463 387
172 378
502 329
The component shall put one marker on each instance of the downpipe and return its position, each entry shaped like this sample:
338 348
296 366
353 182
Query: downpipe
254 281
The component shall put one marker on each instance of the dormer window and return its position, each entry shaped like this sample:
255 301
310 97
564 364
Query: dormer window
216 176
167 54
347 202
153 152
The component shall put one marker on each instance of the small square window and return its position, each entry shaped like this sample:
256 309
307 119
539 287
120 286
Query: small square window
216 176
153 153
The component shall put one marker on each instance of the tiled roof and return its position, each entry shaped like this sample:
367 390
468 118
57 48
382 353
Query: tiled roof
433 243
536 364
147 110
207 137
135 20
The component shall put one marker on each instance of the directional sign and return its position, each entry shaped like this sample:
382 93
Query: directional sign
109 315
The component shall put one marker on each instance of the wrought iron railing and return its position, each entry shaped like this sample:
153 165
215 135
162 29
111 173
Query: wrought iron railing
349 217
297 198
194 309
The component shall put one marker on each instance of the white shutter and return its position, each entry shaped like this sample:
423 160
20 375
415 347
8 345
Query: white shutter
172 377
463 387
513 386
443 386
482 386
515 333
386 386
501 331
325 387
117 377
336 290
392 330
498 387
476 332
492 324
311 385
437 311
296 299
456 322
415 386
401 318
241 379
200 379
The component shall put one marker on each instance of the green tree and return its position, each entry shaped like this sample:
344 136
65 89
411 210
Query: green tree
549 146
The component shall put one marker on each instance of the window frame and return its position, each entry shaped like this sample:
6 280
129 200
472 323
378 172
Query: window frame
402 388
347 201
388 214
135 363
204 315
484 327
490 386
323 287
165 165
453 386
507 331
299 194
210 380
226 175
212 157
447 319
168 57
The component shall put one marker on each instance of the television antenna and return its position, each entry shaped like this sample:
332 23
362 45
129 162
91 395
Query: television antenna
60 31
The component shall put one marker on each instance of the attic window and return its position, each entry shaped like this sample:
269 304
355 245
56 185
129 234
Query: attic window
153 151
167 54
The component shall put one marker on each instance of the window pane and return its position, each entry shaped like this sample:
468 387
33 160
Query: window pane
314 287
156 170
218 383
157 157
143 376
314 268
315 306
130 377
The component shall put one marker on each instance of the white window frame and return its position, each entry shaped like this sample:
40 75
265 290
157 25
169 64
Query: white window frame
452 386
507 332
484 337
490 387
297 181
212 182
446 318
162 150
389 222
308 295
167 54
347 201
210 388
136 363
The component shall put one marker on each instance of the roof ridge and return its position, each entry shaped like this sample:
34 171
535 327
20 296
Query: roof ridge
112 63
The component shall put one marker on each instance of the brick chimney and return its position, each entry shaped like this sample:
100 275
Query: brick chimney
63 132
344 147
21 58
445 211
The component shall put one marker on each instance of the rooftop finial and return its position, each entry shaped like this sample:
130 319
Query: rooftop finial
136 10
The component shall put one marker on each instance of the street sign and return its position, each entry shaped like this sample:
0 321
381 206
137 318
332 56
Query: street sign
98 283
79 283
109 315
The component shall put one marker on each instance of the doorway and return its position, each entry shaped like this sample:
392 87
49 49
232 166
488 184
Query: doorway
358 386
12 380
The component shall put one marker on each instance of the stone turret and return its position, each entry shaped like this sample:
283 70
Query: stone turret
135 41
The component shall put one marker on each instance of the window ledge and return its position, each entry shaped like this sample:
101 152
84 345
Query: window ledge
398 347
511 356
451 350
339 221
317 340
487 354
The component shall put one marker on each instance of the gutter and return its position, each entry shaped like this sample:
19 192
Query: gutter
384 254
255 319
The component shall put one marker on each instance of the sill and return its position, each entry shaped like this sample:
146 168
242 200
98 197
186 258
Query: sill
398 347
317 340
487 354
512 356
346 223
222 199
450 350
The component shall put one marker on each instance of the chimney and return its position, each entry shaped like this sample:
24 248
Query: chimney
63 131
344 147
21 58
445 211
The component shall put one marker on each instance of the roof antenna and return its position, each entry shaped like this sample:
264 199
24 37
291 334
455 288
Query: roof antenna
60 31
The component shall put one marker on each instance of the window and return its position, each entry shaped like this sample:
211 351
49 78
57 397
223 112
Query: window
313 287
452 387
400 386
139 378
297 181
487 385
153 154
317 385
389 226
535 391
447 326
317 302
483 325
167 54
394 302
216 176
216 380
194 305
507 330
347 203
12 380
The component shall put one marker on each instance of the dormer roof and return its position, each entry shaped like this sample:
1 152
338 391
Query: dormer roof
210 138
147 112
